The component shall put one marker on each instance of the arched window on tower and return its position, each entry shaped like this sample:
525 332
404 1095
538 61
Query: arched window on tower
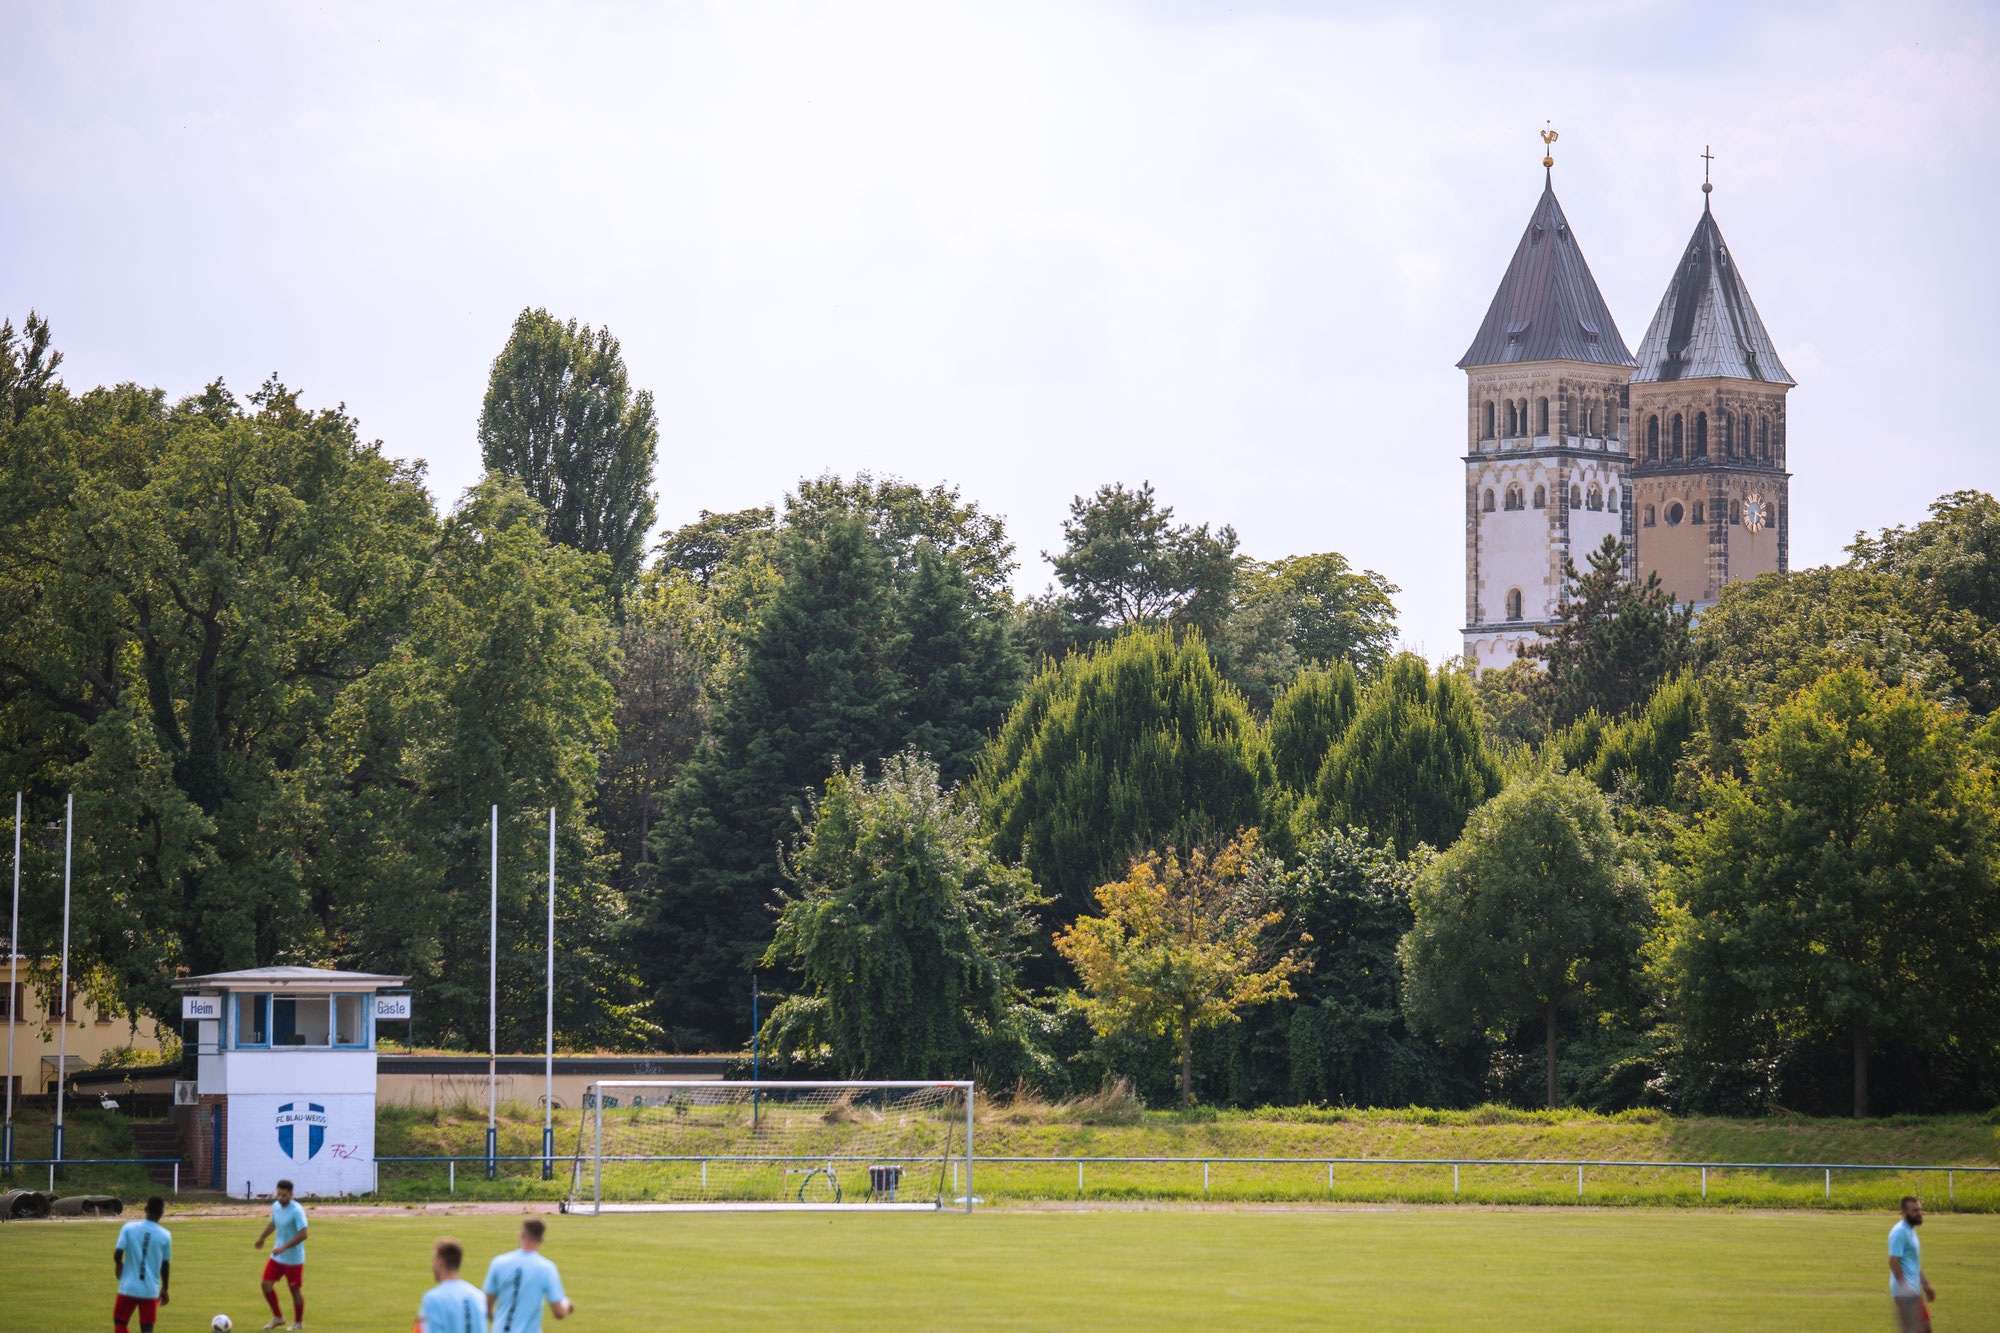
1611 503
1674 449
1515 498
1541 497
1489 420
1511 431
1728 424
1575 496
1652 439
1513 603
1595 498
1736 512
1488 506
1764 438
1701 435
1651 516
1542 417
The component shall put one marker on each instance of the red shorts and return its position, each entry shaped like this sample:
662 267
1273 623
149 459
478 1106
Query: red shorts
147 1308
294 1274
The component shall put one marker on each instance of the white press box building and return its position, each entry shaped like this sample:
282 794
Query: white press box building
284 1082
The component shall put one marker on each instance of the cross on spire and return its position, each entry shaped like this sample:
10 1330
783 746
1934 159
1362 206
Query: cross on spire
1707 159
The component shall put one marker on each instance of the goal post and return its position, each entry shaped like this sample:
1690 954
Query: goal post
685 1145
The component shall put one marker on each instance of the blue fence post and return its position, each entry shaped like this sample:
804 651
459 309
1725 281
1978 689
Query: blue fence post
548 1153
492 1152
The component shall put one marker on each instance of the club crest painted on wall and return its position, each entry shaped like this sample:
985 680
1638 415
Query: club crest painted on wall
313 1117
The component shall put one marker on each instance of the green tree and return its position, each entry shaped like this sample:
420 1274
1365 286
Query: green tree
1308 720
1537 904
1513 703
1844 886
1412 764
188 594
1125 564
500 696
560 416
1343 1039
1614 640
1645 747
662 706
904 930
817 689
713 542
1305 610
1955 552
1183 944
1136 743
27 368
964 673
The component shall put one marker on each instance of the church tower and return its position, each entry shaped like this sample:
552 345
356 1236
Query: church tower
1710 493
1546 430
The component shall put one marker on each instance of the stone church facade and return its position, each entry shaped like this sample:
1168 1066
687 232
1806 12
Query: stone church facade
1679 452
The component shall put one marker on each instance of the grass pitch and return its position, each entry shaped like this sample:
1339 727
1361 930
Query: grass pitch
1164 1268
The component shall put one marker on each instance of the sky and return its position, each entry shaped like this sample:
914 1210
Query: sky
1026 249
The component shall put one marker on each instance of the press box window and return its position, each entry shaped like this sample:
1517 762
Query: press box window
253 1020
301 1021
348 1029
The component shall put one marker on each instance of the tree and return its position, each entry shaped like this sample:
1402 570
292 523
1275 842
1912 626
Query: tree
1645 747
1955 552
560 416
1125 564
1183 944
1512 702
1137 743
1343 1036
1846 883
189 592
904 930
500 696
1614 640
1769 638
1306 610
714 541
1411 765
662 706
817 689
27 369
906 519
1534 905
1308 720
964 673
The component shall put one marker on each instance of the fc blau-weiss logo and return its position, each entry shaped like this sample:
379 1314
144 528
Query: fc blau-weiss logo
313 1117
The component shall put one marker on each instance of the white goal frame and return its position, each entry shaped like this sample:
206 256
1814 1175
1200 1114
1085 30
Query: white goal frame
594 1094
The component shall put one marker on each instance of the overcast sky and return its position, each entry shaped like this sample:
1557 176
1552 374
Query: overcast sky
1234 249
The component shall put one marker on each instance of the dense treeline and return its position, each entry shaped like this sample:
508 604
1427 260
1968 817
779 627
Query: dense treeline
1186 817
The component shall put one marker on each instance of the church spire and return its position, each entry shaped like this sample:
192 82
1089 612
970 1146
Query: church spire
1707 326
1547 307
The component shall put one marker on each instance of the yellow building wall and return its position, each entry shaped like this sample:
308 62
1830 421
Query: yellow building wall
90 1033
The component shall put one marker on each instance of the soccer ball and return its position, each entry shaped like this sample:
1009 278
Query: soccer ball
221 1324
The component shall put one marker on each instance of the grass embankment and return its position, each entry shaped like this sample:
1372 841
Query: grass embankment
1474 1269
1492 1132
88 1132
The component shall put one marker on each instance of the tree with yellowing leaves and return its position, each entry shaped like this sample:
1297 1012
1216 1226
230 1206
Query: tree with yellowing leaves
1182 944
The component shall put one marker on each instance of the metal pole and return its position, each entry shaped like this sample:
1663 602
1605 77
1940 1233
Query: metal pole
755 1025
13 995
1829 1183
1579 1182
177 1177
597 1184
451 1175
1951 1188
493 1011
549 1024
1704 1182
62 992
1204 1177
1454 1180
968 1147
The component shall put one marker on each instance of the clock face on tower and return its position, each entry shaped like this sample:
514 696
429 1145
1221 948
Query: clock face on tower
1756 514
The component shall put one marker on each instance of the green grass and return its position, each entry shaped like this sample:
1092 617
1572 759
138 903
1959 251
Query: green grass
1468 1269
1487 1132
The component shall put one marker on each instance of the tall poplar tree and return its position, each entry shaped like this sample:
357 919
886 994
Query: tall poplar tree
561 417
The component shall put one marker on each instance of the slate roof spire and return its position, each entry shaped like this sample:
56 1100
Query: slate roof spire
1547 307
1707 325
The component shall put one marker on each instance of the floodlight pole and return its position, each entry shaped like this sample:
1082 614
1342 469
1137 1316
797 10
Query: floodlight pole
549 1024
493 1010
754 1029
13 997
62 993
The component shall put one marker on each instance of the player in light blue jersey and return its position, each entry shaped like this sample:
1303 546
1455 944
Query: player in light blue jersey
1908 1287
288 1256
143 1261
519 1281
453 1305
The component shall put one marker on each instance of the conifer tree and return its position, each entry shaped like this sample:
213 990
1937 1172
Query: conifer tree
1132 746
1308 720
817 689
963 672
1614 641
1412 765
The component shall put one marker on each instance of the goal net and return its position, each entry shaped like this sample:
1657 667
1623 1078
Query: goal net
677 1145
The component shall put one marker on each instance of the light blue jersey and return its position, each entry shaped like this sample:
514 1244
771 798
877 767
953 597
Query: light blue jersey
453 1306
1904 1245
290 1220
520 1281
146 1246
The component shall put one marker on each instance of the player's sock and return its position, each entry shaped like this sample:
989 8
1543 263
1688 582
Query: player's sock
298 1306
122 1328
272 1297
